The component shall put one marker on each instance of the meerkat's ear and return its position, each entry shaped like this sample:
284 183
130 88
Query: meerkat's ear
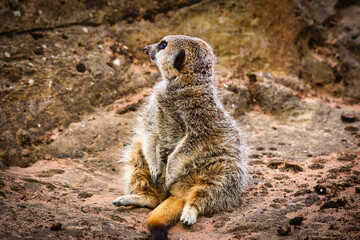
179 60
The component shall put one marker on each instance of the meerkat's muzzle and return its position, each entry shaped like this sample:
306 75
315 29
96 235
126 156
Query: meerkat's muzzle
146 50
149 51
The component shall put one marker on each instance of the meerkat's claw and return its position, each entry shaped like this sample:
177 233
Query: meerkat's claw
166 187
155 179
155 174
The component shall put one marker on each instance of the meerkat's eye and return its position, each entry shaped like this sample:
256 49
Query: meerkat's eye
162 45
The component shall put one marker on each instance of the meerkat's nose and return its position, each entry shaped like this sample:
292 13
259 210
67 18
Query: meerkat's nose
146 50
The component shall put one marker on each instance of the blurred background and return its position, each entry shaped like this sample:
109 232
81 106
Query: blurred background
73 73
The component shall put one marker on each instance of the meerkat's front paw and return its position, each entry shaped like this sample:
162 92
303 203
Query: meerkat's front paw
123 201
189 215
155 173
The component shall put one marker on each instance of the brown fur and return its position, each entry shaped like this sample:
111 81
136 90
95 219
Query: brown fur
187 153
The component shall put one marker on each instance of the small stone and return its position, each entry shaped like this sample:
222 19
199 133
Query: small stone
268 185
117 218
39 51
17 13
321 190
252 77
316 166
255 156
351 129
84 195
274 165
347 157
117 62
293 167
334 204
284 230
85 29
7 54
56 226
23 138
80 67
296 221
348 117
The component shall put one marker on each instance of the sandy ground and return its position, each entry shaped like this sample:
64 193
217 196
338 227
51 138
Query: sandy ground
307 167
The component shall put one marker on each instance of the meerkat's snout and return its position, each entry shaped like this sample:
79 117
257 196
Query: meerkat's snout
146 50
149 50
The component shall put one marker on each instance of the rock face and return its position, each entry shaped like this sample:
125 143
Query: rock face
58 64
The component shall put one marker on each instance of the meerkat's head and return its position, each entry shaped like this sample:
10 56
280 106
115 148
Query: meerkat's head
177 54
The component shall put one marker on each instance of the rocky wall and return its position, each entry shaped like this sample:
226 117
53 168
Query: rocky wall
60 60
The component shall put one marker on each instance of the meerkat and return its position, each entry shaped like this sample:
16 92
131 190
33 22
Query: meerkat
187 156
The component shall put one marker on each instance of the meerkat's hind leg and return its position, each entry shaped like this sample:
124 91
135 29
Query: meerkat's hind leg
142 191
189 215
136 200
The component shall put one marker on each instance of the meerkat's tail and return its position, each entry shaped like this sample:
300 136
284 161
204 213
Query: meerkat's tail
163 216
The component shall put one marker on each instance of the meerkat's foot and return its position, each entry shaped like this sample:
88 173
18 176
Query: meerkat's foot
126 200
136 200
189 215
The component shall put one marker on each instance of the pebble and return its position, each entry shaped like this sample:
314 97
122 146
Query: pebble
17 13
296 221
351 129
117 62
321 190
56 226
284 230
80 67
334 204
348 117
7 54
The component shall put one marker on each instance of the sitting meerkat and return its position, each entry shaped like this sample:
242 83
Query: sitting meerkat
186 156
